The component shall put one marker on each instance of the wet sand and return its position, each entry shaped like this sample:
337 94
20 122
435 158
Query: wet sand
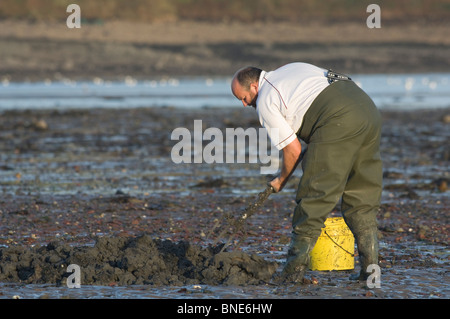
90 186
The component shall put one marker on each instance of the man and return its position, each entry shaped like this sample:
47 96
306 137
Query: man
341 126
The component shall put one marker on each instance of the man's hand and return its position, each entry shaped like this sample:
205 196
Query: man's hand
291 157
276 184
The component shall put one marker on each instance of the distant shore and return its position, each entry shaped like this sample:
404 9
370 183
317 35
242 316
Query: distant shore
39 51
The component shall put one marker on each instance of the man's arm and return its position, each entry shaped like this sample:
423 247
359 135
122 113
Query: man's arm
291 158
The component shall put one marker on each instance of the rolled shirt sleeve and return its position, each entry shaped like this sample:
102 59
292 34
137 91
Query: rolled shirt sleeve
279 131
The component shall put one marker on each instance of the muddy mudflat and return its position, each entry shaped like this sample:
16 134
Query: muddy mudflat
98 188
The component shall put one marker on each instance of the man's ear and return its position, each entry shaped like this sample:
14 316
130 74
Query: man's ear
254 86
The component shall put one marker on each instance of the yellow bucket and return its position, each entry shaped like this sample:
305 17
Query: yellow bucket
335 247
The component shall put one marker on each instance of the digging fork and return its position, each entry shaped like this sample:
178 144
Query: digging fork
237 224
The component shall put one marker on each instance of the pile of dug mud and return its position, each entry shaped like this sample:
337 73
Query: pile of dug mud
138 260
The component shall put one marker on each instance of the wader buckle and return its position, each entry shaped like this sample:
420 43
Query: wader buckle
335 76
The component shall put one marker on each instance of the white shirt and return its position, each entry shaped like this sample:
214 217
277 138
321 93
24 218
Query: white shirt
284 96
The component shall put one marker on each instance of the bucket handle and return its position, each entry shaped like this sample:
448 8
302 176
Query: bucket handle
353 255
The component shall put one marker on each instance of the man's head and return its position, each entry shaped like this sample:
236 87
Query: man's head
245 85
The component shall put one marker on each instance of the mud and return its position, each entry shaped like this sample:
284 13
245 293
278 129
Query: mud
98 188
134 261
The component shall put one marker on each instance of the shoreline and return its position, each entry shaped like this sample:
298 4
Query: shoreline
33 51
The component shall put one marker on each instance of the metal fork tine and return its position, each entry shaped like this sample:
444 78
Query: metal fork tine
216 225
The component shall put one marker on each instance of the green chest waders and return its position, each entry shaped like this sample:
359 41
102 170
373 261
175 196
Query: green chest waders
342 128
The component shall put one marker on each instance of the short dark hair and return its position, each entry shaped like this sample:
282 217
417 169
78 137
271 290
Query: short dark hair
247 76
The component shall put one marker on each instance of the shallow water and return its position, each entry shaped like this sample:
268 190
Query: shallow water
395 91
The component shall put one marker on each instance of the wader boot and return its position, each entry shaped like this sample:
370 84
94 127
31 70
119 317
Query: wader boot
297 261
367 243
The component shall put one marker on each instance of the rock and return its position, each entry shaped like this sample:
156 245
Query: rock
40 125
446 118
211 183
441 184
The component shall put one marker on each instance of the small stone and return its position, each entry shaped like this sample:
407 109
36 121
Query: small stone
446 118
40 125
